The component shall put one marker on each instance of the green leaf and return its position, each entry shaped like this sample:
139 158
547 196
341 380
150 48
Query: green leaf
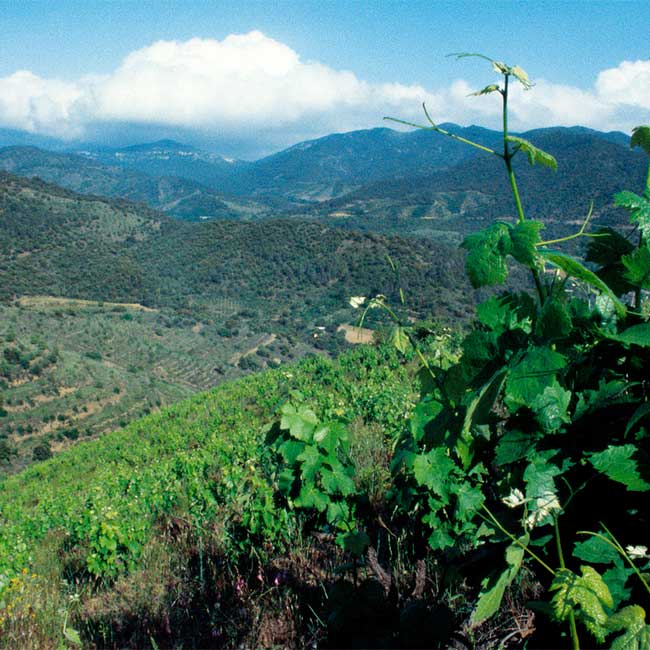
607 393
400 339
72 635
595 551
535 155
554 320
577 270
290 450
425 412
331 436
635 335
490 598
586 595
356 543
486 257
336 481
434 470
525 236
492 88
311 460
529 378
641 138
606 250
637 632
469 499
481 405
285 480
616 578
637 416
618 464
311 497
507 312
299 422
513 446
637 265
550 407
638 207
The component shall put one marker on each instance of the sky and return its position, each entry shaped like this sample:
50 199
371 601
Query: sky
246 77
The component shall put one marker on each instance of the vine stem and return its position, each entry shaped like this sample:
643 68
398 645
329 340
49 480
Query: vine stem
498 524
614 544
560 555
507 159
412 341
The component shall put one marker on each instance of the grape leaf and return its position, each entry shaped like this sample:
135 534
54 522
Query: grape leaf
638 207
399 339
513 446
524 236
635 335
637 632
550 407
606 251
522 76
535 155
554 320
637 264
531 376
618 464
433 470
486 91
587 595
596 551
300 422
311 497
486 257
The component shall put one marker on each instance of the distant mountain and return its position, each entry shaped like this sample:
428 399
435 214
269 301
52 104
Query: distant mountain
13 137
310 171
170 158
337 164
179 197
416 182
447 204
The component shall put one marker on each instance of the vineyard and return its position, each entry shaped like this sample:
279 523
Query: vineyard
478 489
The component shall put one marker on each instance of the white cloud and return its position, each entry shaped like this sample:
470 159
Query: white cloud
628 84
251 86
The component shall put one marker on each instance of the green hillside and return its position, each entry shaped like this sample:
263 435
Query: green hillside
193 472
179 197
195 304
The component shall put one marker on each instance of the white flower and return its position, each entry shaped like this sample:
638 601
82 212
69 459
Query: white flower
514 499
545 506
637 552
357 301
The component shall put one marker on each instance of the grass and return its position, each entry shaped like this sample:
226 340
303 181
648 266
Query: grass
119 540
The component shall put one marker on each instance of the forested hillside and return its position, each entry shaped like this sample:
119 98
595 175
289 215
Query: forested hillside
111 309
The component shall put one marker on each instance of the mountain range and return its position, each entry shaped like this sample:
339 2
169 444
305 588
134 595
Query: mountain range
418 182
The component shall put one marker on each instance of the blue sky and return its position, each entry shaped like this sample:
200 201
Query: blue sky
249 77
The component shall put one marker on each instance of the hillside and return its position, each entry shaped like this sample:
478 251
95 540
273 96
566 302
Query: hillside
220 299
182 198
202 503
450 203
